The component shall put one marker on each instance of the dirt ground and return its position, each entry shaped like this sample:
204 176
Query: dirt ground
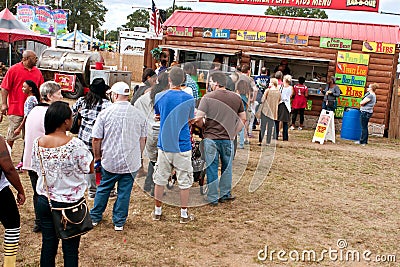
339 200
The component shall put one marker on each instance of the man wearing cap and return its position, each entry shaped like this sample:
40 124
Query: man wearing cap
119 135
13 98
89 107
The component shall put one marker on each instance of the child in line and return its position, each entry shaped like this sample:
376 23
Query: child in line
30 88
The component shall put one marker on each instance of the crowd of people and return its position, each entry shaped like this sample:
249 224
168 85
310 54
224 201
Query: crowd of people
118 129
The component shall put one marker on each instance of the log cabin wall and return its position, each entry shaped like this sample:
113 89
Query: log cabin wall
381 68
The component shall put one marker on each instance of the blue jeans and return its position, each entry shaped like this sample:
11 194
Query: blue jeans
241 138
215 150
121 205
50 240
364 118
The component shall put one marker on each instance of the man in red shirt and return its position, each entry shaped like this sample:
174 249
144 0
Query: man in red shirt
13 98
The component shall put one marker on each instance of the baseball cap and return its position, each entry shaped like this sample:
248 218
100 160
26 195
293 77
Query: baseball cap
120 88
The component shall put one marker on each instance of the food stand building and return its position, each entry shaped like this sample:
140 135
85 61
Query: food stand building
358 54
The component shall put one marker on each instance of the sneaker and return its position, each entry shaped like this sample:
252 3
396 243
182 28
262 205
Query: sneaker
291 127
155 217
246 142
187 220
113 194
118 228
95 224
300 128
357 142
91 196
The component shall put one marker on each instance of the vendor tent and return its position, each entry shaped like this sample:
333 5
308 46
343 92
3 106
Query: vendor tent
80 37
12 30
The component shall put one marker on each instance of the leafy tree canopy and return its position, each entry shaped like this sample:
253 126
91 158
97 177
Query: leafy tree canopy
140 18
169 10
296 12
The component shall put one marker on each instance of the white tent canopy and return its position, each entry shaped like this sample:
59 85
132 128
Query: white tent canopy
80 37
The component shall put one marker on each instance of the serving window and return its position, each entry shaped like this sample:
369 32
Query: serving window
315 71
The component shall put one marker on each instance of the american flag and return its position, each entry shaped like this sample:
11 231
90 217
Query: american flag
155 22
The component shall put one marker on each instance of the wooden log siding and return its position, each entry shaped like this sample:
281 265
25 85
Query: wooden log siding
382 67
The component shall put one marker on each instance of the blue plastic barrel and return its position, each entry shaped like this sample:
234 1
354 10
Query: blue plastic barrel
351 125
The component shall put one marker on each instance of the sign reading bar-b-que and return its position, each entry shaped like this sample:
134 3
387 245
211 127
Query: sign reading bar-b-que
355 5
251 36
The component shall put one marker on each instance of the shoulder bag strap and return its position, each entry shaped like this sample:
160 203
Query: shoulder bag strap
44 176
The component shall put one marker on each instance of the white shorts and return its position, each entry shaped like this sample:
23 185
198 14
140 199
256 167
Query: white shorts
181 162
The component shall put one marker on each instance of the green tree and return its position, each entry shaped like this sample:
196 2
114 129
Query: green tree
296 12
169 10
139 18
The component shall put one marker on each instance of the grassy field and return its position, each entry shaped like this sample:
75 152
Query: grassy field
341 197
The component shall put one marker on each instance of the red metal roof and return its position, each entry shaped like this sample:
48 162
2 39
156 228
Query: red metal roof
287 25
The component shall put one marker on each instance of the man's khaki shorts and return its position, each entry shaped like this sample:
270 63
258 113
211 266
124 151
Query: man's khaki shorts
181 162
14 122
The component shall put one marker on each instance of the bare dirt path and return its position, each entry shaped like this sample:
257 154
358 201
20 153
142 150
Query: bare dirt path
313 196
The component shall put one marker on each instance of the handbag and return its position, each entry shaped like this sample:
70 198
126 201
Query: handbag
71 221
76 123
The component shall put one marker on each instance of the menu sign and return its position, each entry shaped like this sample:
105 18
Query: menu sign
358 5
216 33
351 102
292 39
335 43
354 58
251 36
180 31
378 47
352 69
353 91
351 79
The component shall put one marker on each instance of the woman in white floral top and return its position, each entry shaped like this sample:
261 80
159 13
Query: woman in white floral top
65 161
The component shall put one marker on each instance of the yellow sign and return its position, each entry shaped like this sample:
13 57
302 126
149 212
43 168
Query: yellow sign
378 47
251 36
353 91
292 39
354 58
325 129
